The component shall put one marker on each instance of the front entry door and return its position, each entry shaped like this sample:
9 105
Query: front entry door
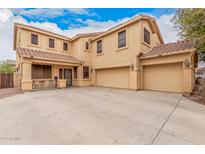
68 77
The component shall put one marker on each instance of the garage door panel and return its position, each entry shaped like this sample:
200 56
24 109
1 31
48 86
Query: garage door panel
115 77
166 77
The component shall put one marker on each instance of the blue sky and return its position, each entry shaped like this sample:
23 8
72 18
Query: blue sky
68 19
72 21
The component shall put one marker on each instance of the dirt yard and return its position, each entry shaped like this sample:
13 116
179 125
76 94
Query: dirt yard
6 92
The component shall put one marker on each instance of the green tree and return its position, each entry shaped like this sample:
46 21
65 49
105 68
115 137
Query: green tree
191 25
5 68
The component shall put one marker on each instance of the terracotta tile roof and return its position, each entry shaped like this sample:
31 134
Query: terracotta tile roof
38 54
169 48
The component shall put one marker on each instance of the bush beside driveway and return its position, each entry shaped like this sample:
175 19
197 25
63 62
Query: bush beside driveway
101 116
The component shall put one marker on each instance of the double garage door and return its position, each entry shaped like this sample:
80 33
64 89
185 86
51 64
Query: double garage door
164 77
113 77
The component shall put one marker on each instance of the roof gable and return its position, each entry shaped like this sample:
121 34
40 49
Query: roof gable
152 22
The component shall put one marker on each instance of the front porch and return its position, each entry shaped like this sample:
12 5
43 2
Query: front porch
39 75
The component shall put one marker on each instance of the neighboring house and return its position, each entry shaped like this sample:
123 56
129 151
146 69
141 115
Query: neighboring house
131 55
15 76
11 63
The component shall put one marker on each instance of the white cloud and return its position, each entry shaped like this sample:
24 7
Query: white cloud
44 13
6 33
7 20
169 33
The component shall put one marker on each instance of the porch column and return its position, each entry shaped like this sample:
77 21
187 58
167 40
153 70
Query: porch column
26 82
80 75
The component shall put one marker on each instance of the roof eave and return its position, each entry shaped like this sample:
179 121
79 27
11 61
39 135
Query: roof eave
38 58
140 17
120 27
42 31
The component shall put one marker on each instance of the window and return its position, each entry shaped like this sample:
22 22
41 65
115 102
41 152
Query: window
60 73
65 46
146 36
122 39
99 46
85 72
41 71
75 72
34 39
87 45
51 43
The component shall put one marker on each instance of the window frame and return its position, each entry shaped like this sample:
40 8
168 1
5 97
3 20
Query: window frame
87 45
53 43
146 31
125 39
87 75
40 70
64 46
33 34
97 48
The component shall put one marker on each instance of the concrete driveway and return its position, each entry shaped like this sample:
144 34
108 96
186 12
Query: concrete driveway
100 116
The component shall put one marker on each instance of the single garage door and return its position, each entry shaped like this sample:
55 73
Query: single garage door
115 77
165 77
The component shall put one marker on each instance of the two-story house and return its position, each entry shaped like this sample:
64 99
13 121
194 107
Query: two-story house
131 55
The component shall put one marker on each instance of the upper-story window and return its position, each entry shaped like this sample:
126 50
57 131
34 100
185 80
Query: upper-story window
99 46
65 46
34 39
51 43
146 36
122 39
87 45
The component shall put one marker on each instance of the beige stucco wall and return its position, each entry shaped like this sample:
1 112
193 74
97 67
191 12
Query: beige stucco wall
43 42
111 55
79 51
